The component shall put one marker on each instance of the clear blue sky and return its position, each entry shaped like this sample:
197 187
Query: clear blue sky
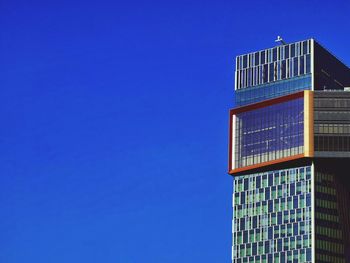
114 122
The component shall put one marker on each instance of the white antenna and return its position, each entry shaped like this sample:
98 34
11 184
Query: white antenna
280 41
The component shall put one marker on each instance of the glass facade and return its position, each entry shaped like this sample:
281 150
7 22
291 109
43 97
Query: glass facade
273 66
332 137
269 133
271 90
330 235
332 121
272 216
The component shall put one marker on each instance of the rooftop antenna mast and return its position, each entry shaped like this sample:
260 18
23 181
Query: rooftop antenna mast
280 41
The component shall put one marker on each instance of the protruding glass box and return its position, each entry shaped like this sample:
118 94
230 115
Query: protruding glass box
272 131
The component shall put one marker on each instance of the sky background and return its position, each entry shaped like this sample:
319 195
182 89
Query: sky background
114 122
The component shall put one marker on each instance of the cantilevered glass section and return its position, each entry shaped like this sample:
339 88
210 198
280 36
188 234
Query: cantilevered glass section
272 216
262 134
273 72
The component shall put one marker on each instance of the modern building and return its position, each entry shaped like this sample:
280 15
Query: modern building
289 155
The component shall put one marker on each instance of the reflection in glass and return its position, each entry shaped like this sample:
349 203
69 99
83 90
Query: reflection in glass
269 133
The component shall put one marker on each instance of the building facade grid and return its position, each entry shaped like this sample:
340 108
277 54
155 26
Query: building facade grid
272 216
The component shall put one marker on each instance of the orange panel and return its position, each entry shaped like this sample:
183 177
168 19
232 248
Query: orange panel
309 123
255 166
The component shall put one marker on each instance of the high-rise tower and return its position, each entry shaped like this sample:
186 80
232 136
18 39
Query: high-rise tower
289 155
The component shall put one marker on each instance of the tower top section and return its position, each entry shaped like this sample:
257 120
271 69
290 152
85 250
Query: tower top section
285 69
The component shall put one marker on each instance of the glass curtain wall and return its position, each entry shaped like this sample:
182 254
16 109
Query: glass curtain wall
272 216
269 133
275 67
331 218
332 121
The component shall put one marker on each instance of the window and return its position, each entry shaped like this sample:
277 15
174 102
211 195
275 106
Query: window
245 61
304 51
302 65
256 56
262 57
308 64
295 67
271 72
286 51
292 50
283 69
274 56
